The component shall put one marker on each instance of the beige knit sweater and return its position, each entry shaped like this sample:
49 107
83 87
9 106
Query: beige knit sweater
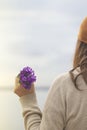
64 109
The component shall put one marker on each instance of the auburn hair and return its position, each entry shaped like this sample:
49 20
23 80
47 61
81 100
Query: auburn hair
80 60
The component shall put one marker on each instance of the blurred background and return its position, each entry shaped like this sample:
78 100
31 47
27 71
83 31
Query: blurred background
37 33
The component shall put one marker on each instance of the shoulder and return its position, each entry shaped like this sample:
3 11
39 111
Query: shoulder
62 78
62 83
59 88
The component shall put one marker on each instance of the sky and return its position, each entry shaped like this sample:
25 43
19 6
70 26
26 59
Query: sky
41 34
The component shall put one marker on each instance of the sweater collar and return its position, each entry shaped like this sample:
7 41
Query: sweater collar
80 81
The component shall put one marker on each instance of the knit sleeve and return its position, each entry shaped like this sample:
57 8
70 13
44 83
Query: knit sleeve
53 115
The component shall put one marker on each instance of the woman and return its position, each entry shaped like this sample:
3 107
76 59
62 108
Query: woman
66 104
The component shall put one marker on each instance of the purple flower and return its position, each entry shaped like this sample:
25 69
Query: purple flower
27 77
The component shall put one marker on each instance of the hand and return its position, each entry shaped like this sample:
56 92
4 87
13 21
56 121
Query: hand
21 91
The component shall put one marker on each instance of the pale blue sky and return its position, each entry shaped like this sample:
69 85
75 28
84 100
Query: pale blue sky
38 33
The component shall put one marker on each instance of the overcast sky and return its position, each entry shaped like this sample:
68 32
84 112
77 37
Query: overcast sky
38 33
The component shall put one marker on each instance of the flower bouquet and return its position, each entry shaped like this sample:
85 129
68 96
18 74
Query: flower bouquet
27 77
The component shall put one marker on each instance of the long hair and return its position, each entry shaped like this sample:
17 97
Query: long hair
80 60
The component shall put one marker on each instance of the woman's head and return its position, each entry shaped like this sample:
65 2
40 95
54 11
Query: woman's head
80 54
82 35
80 57
81 47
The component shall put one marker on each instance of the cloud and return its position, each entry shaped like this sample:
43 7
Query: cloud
65 5
41 34
74 8
46 31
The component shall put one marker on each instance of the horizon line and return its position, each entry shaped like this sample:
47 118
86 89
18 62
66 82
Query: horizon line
37 88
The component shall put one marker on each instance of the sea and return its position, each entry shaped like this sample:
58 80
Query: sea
11 111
